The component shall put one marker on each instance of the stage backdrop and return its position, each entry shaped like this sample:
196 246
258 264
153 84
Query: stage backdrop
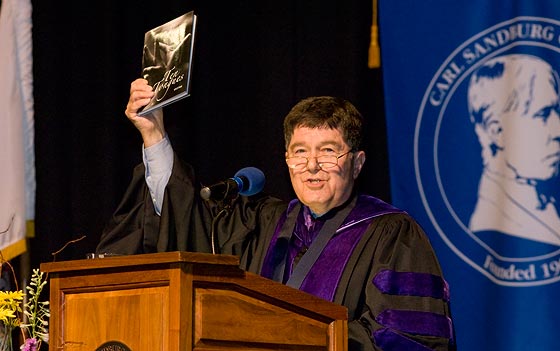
253 61
471 96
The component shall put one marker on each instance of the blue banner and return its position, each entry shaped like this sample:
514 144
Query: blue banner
473 117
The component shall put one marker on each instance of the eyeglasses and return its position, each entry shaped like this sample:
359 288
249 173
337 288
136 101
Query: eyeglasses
324 161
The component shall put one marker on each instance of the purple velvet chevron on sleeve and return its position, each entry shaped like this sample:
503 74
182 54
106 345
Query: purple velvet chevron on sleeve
416 322
397 322
411 284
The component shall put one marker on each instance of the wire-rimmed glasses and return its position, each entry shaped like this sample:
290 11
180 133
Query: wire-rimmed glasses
324 161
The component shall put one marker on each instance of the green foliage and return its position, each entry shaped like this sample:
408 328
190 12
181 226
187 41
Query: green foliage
37 312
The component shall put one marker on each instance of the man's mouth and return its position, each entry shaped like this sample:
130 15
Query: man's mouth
555 157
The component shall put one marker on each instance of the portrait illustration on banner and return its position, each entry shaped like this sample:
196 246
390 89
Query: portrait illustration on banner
495 102
514 107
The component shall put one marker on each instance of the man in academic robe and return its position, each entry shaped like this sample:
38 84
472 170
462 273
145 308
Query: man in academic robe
348 248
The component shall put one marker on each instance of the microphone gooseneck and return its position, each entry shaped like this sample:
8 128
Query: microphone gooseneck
247 181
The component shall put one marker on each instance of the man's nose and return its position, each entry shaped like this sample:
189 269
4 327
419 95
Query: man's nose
313 164
553 123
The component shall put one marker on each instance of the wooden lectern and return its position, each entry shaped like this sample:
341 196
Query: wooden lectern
183 301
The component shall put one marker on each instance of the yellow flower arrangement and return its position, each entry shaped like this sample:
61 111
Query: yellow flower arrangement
35 315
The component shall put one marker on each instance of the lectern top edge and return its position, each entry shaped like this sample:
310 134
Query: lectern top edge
132 260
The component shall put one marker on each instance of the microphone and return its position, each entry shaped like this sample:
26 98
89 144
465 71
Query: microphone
247 181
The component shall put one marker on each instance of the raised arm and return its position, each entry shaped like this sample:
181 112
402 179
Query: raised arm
157 151
151 126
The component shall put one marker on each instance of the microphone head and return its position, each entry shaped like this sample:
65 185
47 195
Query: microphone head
253 180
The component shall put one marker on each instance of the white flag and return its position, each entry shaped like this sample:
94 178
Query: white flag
17 159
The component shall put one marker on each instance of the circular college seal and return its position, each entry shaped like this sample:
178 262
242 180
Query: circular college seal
113 346
487 151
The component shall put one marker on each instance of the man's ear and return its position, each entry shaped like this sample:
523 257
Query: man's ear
359 160
491 134
494 131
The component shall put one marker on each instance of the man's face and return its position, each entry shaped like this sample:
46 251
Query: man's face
323 189
531 138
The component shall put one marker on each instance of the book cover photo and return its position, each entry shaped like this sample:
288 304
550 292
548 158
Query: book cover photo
167 60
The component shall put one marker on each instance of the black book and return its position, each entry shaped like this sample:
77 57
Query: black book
167 60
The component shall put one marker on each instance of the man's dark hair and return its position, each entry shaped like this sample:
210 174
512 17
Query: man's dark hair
326 112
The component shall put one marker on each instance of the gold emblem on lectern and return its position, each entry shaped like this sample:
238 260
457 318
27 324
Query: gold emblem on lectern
113 346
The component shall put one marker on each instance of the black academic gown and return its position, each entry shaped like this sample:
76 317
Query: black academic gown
392 243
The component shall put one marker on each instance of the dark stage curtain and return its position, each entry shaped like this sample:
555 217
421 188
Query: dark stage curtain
253 61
